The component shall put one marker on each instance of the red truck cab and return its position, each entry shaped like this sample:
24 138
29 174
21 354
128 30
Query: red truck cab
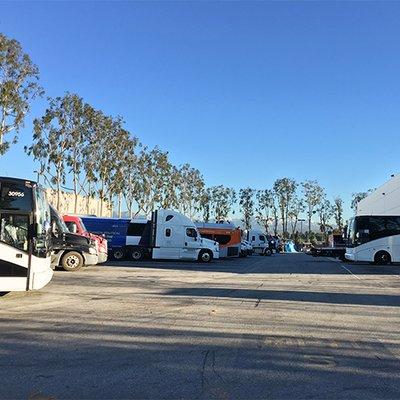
76 225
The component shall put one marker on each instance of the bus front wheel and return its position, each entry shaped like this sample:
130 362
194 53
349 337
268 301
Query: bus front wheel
382 258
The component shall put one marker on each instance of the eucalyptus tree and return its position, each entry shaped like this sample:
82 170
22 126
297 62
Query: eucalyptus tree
125 156
152 183
18 87
222 199
190 190
164 181
205 204
285 190
325 212
73 116
296 208
338 211
107 146
313 193
51 144
138 183
264 207
246 202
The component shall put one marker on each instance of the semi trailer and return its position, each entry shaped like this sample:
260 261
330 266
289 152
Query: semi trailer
167 235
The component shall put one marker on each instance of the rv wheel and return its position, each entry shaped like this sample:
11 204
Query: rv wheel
382 258
118 254
136 254
205 256
72 261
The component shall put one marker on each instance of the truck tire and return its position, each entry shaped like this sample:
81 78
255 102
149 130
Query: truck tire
137 253
205 256
267 252
382 258
118 254
72 261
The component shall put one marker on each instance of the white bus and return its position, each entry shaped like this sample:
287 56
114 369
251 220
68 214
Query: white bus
25 238
373 238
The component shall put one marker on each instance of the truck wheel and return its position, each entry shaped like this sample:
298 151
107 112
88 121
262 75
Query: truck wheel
136 254
205 256
382 258
72 261
118 254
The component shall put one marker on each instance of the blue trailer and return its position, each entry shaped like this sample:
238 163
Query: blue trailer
114 229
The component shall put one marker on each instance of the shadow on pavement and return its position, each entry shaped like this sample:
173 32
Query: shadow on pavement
288 295
276 264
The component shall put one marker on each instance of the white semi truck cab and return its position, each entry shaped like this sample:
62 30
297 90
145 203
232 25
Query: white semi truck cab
170 235
258 240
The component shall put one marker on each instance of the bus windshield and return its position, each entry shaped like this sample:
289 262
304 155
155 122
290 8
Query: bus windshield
350 233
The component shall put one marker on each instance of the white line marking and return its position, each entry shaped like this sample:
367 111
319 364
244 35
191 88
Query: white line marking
355 276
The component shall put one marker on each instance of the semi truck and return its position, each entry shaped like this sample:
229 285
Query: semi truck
75 225
258 241
168 235
70 251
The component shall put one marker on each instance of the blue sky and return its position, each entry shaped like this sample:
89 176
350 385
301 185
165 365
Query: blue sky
246 92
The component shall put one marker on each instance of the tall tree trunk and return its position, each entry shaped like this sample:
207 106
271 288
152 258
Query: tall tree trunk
101 198
119 205
88 200
75 196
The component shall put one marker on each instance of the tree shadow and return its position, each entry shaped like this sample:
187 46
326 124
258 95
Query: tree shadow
296 263
93 361
289 295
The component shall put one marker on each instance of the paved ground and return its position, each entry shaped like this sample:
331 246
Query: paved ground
284 327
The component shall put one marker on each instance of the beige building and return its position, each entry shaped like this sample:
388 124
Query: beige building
86 206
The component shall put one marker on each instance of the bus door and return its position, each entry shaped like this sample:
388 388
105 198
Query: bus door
15 250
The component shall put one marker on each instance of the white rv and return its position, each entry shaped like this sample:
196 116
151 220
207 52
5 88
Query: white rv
373 235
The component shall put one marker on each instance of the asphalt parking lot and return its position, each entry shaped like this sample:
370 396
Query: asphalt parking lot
283 327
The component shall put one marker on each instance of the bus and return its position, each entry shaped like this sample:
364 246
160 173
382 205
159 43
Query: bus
25 236
373 238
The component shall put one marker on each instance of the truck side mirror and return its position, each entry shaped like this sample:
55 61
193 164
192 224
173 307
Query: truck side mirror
74 228
54 228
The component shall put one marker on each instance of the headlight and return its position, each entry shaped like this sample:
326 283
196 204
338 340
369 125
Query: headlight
92 250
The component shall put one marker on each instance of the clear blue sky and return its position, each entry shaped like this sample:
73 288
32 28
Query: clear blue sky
246 92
